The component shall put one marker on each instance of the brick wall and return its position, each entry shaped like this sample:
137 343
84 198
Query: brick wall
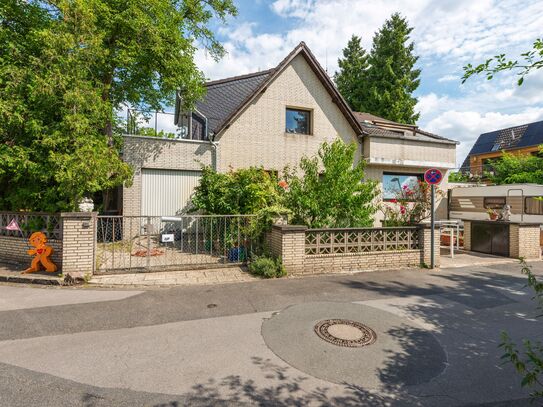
467 235
288 243
524 241
425 244
79 242
14 250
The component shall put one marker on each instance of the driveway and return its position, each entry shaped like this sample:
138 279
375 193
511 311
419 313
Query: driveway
435 343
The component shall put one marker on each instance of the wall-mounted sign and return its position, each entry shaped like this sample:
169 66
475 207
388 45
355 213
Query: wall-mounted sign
167 237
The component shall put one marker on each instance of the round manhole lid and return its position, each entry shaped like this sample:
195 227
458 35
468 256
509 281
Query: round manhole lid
345 332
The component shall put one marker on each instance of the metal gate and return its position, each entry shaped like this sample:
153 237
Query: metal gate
158 243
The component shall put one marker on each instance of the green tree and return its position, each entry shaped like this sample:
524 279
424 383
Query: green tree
516 169
391 77
533 60
327 190
351 78
67 66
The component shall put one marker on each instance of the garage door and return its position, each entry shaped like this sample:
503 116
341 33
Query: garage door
167 192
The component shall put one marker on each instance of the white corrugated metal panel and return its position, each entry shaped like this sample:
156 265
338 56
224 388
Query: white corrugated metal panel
167 192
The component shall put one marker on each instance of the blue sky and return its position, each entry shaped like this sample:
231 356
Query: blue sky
447 35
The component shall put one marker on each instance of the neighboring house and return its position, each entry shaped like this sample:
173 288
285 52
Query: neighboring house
270 119
524 139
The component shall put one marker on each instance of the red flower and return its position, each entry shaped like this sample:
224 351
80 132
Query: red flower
283 184
402 210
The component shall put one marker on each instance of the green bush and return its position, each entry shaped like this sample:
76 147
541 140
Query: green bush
267 267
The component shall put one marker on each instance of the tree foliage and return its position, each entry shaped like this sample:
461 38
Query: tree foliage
66 67
385 88
516 169
328 190
532 60
352 75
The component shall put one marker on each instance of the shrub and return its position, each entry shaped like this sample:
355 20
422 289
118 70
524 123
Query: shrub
267 267
239 192
327 190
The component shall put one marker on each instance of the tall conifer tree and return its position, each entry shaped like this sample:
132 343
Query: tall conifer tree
351 78
392 78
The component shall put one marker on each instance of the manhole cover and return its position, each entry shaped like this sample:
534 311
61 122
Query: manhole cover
344 332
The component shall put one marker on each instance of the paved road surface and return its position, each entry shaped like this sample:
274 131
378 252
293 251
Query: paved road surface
252 343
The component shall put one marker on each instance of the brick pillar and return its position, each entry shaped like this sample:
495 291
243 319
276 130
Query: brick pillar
288 243
524 241
78 242
467 234
425 245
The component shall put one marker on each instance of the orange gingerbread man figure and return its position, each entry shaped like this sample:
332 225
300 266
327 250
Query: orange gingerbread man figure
42 252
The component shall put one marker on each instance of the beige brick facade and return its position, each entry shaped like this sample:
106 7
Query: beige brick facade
79 242
524 241
467 235
153 153
288 243
257 137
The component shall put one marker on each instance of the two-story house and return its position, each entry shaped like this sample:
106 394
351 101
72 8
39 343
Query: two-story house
271 119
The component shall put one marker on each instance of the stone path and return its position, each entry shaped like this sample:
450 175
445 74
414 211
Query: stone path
168 278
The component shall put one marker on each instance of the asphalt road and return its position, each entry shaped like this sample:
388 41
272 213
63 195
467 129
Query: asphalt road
235 344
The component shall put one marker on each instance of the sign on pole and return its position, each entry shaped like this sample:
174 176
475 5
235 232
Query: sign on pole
432 176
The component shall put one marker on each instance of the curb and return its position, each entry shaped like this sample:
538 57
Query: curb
31 280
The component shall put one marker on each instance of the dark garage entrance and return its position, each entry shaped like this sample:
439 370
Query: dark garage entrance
490 237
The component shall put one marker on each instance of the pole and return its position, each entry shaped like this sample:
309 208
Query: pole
432 224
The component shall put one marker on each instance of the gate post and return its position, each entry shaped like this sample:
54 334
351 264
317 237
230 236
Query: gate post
78 243
425 244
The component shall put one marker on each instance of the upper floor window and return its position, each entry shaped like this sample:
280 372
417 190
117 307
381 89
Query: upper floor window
298 121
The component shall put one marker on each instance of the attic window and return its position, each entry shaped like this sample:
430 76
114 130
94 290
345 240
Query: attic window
495 147
298 121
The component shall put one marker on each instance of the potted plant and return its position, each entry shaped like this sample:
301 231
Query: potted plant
492 214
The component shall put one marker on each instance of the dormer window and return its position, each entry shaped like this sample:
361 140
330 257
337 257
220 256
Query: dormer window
298 121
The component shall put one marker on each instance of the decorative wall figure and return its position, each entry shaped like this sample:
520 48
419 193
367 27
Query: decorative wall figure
42 254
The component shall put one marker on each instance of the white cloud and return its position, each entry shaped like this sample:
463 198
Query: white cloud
293 8
449 78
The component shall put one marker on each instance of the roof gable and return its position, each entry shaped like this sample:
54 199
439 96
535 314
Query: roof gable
227 98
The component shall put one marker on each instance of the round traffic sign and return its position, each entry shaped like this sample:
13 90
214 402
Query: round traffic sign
433 176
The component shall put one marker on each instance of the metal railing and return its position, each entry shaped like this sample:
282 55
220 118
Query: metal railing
149 243
361 240
28 222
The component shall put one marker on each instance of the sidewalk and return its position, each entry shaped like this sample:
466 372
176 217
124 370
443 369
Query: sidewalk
169 278
10 273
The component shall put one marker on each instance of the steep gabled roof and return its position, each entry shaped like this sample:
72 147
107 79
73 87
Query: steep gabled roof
526 135
224 97
227 98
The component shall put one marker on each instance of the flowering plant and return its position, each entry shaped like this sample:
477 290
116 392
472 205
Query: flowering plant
412 204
